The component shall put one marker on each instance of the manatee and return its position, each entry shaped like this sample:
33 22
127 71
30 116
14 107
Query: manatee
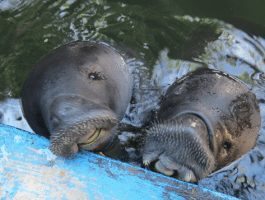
205 120
76 95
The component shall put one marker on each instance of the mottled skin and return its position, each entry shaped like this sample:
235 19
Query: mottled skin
206 120
76 95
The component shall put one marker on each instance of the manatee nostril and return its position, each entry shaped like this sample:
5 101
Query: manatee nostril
227 145
96 76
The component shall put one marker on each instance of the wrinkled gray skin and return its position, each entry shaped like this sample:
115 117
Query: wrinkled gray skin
206 120
76 95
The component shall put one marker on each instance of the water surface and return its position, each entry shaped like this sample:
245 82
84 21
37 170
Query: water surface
161 40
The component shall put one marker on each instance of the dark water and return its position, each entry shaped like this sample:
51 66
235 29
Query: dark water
31 28
161 40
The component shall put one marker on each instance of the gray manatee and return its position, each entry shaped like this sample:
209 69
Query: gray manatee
76 95
206 120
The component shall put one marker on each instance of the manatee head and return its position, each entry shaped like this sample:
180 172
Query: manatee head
76 95
206 120
80 123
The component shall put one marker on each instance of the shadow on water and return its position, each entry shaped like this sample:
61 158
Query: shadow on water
161 42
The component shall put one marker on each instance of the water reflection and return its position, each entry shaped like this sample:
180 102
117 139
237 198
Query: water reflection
34 28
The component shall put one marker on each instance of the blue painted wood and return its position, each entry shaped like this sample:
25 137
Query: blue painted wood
28 170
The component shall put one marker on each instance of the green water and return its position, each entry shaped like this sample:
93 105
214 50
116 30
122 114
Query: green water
30 29
163 39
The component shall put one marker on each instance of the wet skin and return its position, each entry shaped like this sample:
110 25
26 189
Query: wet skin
76 95
206 120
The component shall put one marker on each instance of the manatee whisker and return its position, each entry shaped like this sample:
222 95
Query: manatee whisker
63 140
188 145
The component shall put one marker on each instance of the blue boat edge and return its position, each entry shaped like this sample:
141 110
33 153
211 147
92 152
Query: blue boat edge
25 158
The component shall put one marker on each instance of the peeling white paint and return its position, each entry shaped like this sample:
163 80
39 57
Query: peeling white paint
17 139
4 152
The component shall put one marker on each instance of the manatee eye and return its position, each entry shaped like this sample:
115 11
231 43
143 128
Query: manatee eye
227 145
96 76
241 105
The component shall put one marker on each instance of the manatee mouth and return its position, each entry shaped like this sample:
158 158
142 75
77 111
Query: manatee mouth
92 138
93 134
179 148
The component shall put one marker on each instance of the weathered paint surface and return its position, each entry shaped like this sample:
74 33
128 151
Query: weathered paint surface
28 170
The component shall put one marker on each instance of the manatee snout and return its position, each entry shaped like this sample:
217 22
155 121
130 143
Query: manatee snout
76 95
77 123
180 148
206 120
